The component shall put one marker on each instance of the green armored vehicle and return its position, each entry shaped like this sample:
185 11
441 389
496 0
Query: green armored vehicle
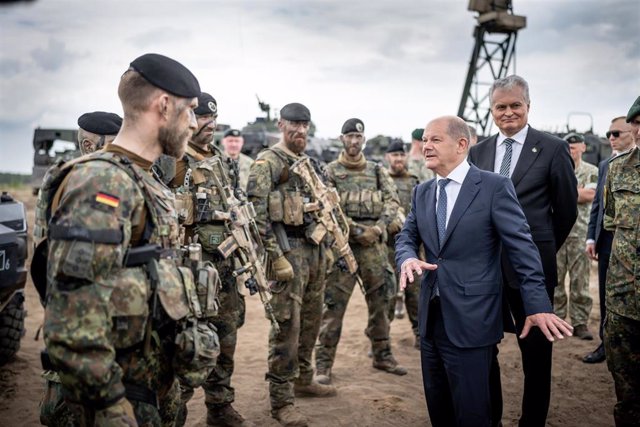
13 275
49 146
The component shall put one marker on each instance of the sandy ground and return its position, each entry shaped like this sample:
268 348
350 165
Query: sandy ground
581 394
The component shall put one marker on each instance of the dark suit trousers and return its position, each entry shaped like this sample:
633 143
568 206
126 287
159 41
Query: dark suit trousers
535 349
456 380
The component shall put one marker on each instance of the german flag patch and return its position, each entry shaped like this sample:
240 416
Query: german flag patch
108 200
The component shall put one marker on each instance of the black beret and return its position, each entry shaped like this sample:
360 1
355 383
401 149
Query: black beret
167 74
396 147
295 112
206 105
417 134
573 138
100 123
634 110
352 125
232 132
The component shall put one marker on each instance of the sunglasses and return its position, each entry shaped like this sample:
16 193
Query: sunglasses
615 133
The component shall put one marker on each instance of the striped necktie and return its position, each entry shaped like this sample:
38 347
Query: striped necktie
441 222
505 167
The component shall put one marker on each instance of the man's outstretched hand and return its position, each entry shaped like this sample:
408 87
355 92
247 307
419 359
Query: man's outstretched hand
413 266
550 325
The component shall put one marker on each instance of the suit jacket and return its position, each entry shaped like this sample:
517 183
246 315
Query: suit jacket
547 189
602 237
485 218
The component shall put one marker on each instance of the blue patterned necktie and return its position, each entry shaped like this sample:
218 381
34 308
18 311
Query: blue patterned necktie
505 167
441 209
441 221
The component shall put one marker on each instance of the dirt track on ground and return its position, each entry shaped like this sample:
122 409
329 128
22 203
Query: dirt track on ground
582 395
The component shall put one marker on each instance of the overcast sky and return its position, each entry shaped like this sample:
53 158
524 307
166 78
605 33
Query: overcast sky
394 64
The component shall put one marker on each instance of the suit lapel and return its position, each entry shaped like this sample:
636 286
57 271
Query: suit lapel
468 192
530 151
429 206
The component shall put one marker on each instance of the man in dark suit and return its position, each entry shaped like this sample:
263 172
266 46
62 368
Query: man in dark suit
599 240
543 175
463 218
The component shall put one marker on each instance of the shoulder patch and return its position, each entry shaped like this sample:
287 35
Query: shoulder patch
260 161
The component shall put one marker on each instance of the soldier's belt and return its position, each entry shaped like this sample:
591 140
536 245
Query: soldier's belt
295 232
140 393
108 236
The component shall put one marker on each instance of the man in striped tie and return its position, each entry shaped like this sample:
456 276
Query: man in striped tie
542 173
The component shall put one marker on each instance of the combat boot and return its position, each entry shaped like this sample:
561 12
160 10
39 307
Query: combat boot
225 416
323 376
289 416
314 389
389 364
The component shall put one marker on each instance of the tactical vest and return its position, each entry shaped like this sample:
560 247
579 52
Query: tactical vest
405 185
139 283
201 195
359 190
287 201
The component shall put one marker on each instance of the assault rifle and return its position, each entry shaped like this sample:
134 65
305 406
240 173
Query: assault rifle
329 216
244 241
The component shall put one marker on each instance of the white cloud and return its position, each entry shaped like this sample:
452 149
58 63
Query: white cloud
395 64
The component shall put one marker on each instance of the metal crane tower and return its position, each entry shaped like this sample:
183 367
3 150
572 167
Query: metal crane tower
493 57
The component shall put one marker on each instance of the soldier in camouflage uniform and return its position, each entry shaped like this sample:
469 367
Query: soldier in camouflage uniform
232 143
279 197
192 175
622 326
571 258
119 327
405 182
417 166
95 130
369 199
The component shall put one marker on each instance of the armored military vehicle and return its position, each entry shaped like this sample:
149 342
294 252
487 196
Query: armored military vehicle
377 146
13 275
50 145
598 148
263 133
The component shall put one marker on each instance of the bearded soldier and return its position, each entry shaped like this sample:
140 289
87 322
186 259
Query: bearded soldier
119 325
280 197
405 181
194 174
369 199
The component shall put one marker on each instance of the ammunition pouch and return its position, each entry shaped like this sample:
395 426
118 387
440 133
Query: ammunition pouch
190 303
211 235
197 349
208 201
207 288
184 208
287 208
363 204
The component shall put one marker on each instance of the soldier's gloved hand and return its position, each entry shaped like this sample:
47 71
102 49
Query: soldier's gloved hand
395 227
119 414
369 235
282 269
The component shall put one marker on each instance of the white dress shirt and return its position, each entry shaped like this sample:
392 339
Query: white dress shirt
452 189
519 138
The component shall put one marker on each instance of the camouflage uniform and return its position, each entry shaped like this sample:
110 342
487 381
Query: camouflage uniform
109 334
244 166
368 197
297 303
572 259
405 183
418 168
231 313
622 325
